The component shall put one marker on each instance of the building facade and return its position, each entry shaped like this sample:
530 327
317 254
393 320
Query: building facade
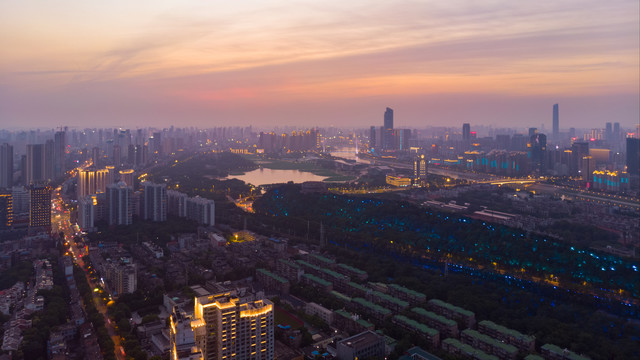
228 328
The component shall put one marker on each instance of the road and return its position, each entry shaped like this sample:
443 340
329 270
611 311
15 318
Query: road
60 221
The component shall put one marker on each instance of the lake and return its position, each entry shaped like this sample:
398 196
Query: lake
262 176
348 153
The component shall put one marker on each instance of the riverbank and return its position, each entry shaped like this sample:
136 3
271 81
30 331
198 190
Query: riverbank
304 166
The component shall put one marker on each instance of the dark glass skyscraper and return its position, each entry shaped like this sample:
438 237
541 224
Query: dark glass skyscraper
556 121
388 119
6 166
466 132
633 156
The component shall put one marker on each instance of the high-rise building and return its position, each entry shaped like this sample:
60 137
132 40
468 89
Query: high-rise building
40 207
201 210
91 181
6 210
372 138
95 156
119 201
182 340
466 132
49 147
537 151
556 122
20 196
633 157
608 132
128 176
6 166
387 131
87 207
154 201
59 154
420 168
229 328
388 118
177 203
124 279
35 170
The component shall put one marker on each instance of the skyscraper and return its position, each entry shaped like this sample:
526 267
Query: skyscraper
119 204
388 118
372 138
466 132
608 132
59 154
420 168
228 328
40 208
556 122
537 151
154 201
387 131
633 157
6 166
91 181
35 170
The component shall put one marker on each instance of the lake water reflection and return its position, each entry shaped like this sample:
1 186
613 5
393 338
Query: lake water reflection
264 176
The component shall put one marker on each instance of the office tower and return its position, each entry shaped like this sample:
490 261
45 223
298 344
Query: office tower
229 328
95 156
372 138
556 122
128 176
35 167
40 207
633 157
402 137
366 345
112 174
387 131
420 168
466 132
49 147
587 166
116 159
579 150
154 201
6 210
608 132
91 181
388 118
20 196
119 201
201 210
532 131
537 151
6 166
59 154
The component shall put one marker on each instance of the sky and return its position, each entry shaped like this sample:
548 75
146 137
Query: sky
318 63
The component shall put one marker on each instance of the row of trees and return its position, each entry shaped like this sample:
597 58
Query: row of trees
401 227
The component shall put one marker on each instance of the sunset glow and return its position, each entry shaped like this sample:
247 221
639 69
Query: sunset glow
255 62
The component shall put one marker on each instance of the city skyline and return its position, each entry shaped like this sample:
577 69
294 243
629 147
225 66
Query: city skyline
324 64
